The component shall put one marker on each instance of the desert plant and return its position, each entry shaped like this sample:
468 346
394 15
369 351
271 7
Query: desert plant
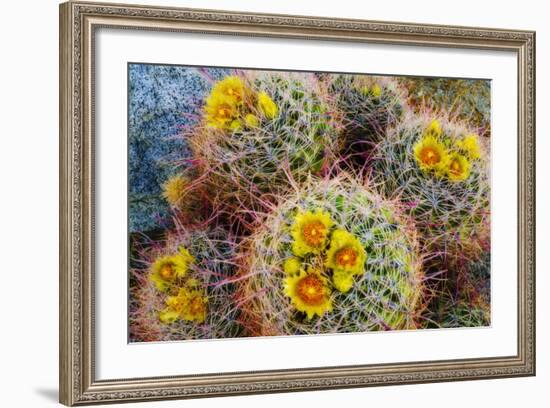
439 170
260 131
368 106
461 313
182 288
332 256
466 301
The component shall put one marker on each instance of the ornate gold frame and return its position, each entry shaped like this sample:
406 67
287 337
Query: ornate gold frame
78 22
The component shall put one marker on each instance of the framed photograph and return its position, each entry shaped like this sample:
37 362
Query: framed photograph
256 203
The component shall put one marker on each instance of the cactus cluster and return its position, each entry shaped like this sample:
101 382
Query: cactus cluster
333 256
318 203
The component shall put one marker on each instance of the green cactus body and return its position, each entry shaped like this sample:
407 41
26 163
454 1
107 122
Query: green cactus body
463 314
385 290
269 144
466 303
210 275
369 106
450 208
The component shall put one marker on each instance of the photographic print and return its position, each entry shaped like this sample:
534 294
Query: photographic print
282 203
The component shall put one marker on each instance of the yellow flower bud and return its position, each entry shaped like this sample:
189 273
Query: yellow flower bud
251 120
235 125
376 90
291 266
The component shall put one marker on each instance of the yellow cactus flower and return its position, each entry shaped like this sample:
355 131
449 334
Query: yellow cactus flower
470 146
167 269
430 154
220 111
292 265
376 91
267 106
346 253
434 129
342 281
458 168
174 189
309 293
231 87
251 120
310 231
188 304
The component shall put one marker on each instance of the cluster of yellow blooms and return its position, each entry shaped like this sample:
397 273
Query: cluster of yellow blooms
340 251
188 302
232 105
435 152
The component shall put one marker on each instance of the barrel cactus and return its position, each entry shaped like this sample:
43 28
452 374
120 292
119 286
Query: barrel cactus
260 132
465 301
331 257
439 170
368 106
183 289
